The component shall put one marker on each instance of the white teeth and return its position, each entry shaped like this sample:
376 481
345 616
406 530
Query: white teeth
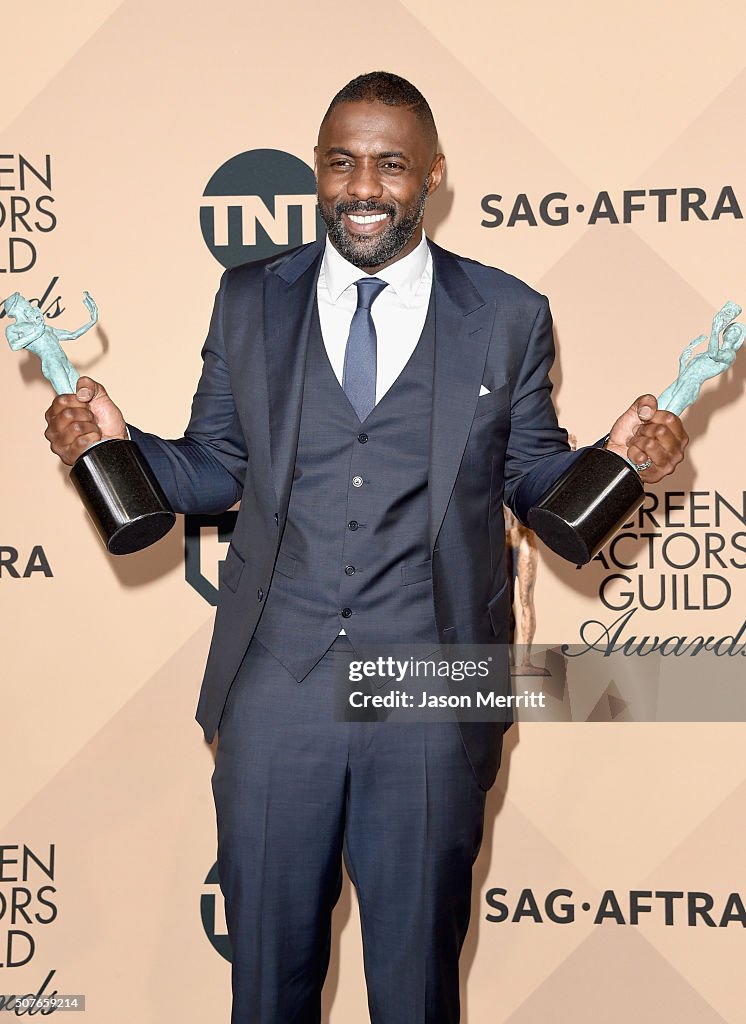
356 218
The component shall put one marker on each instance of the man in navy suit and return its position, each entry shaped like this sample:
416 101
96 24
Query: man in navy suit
372 400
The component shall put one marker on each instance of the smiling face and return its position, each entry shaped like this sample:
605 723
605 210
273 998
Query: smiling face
375 167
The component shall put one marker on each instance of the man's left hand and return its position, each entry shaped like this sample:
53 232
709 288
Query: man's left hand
644 432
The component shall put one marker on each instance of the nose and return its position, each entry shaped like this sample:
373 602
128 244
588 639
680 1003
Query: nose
364 182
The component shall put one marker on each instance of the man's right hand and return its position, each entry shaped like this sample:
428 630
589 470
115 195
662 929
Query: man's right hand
76 421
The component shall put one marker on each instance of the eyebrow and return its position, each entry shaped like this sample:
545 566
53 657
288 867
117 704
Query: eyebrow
339 150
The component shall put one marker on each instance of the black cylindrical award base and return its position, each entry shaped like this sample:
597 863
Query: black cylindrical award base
122 497
587 505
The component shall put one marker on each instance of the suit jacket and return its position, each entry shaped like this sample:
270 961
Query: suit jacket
505 446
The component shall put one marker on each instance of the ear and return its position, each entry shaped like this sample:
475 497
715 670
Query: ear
316 162
435 176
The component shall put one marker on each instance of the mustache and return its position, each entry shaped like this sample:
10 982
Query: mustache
364 207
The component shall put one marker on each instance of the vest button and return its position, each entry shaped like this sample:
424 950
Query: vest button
277 518
346 613
362 438
353 524
350 570
260 594
357 481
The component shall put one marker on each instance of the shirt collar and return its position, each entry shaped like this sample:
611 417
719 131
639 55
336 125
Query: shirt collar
404 276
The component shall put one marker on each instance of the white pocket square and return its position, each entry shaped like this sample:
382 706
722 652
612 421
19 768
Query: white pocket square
483 391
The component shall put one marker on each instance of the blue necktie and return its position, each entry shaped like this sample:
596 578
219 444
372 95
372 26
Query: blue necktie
359 375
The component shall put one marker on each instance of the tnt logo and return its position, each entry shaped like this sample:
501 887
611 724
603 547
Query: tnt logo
212 912
258 204
206 540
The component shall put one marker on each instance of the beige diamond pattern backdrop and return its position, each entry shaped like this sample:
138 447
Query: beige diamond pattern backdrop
137 105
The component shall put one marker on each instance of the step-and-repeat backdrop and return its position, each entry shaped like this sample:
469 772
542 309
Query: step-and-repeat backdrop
596 152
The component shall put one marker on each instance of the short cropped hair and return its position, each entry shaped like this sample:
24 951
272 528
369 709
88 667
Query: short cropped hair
384 87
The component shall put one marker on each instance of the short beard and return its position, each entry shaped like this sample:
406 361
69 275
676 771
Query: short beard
372 252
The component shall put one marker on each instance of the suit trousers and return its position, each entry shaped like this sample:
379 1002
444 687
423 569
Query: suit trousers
295 793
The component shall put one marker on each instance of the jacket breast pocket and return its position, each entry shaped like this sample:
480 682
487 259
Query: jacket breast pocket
498 398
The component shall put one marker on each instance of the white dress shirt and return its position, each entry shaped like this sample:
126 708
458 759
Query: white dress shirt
398 313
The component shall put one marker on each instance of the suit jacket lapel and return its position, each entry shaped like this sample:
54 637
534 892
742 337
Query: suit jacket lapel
463 323
289 295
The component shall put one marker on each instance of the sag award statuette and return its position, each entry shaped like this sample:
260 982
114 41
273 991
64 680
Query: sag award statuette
601 490
117 486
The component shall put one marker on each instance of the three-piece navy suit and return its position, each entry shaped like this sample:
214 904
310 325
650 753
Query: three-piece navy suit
393 531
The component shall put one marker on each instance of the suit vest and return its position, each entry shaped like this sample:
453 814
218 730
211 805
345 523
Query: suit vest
354 554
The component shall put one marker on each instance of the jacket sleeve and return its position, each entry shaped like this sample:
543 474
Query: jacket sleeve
203 471
538 451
